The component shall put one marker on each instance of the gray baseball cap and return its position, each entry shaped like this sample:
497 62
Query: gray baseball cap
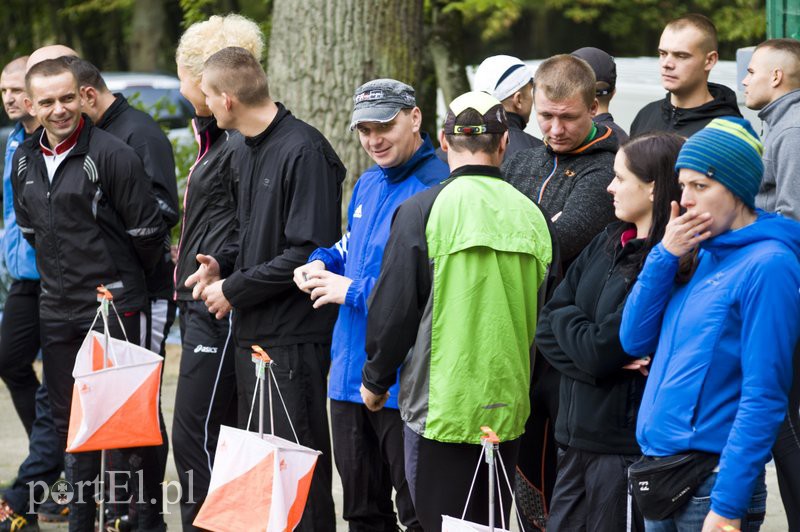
380 100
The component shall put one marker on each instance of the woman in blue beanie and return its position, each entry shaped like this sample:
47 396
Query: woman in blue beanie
718 301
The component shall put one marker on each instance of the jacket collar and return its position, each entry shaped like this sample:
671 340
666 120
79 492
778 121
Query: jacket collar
261 137
515 121
476 169
65 145
425 152
113 111
773 111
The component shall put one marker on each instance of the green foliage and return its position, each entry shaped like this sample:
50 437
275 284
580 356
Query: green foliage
736 20
196 11
493 18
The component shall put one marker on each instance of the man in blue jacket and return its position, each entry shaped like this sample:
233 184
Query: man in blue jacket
368 446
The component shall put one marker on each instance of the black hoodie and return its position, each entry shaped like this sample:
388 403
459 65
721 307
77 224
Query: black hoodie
661 115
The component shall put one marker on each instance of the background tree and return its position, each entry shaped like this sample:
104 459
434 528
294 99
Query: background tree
321 50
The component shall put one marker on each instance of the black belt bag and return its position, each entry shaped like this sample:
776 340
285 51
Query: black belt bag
661 485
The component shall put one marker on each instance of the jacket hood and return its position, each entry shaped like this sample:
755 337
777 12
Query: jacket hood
423 153
768 226
776 109
723 104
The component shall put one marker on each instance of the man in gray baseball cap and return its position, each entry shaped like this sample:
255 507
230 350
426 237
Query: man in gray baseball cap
380 100
368 446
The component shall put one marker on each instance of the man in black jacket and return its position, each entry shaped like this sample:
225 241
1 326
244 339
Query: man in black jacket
112 113
687 52
84 202
289 205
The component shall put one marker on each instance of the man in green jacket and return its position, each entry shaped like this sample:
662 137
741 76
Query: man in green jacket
456 305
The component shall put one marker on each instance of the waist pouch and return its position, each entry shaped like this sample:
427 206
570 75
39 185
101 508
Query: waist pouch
661 485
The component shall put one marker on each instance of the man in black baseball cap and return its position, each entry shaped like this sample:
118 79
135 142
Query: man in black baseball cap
605 70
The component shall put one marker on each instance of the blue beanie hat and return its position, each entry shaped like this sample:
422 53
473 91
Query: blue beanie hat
729 151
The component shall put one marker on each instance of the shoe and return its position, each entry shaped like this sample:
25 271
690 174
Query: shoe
10 521
118 524
52 512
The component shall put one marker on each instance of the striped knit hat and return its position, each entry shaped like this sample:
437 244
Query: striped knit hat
729 151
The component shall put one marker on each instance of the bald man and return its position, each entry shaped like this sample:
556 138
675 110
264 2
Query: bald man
52 51
772 86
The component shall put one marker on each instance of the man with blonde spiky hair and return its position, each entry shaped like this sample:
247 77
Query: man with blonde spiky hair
491 260
206 394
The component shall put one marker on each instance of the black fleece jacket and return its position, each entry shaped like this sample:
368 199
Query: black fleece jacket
661 115
570 187
290 194
578 333
138 130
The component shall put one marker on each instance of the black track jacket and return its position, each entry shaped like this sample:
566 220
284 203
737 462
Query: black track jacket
209 215
139 131
97 223
290 194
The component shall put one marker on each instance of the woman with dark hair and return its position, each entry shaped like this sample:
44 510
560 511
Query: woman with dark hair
723 336
578 333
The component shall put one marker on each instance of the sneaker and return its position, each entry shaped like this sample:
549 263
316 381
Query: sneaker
52 512
118 524
10 521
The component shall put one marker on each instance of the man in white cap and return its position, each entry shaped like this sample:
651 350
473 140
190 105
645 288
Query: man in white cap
510 80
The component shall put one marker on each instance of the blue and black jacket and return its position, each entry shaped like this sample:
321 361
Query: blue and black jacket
358 256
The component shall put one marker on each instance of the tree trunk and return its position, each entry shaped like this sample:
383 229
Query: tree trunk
321 50
446 47
147 35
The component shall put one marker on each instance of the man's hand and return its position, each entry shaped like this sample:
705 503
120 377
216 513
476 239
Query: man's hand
216 302
207 273
326 287
717 523
301 273
372 401
640 364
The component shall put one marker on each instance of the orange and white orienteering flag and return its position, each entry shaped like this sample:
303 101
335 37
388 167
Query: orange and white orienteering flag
115 396
257 483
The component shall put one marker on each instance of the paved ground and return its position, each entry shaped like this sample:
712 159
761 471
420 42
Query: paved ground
13 444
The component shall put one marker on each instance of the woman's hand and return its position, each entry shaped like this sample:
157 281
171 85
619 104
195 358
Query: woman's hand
685 231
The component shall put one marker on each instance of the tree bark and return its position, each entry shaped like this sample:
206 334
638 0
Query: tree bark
147 35
446 47
321 50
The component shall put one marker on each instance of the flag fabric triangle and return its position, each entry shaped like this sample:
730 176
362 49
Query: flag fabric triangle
115 396
239 477
132 424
